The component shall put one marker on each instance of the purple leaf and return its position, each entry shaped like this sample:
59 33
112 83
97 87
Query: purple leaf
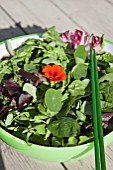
33 78
107 116
107 121
10 88
24 99
80 38
4 110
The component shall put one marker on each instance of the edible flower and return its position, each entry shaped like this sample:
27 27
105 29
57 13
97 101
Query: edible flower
55 73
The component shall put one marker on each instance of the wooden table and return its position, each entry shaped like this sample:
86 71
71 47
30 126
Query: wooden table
19 17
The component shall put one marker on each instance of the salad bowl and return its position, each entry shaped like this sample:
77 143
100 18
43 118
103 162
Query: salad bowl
47 153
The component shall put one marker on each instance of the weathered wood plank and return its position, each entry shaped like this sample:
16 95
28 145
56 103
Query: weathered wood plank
14 160
38 13
23 16
89 162
8 29
94 16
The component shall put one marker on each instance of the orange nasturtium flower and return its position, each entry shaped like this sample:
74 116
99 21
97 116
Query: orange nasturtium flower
54 73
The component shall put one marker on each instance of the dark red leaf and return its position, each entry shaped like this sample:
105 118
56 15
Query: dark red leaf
107 116
4 110
10 88
24 99
107 121
33 78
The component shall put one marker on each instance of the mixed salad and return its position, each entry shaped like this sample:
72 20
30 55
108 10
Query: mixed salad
45 89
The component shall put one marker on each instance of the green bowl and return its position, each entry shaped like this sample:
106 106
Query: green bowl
51 154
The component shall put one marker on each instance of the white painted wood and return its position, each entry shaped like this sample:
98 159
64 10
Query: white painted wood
7 27
93 15
40 13
14 160
88 163
22 15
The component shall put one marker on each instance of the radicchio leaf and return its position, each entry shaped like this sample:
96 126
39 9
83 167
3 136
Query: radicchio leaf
96 40
24 99
33 78
80 38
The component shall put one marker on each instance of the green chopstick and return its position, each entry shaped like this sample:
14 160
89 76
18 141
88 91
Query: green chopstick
97 115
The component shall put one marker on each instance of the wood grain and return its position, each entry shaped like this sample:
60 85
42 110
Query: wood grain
14 160
8 29
93 16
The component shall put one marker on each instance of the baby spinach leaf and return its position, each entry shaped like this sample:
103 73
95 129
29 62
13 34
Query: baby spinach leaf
80 116
72 141
40 129
79 71
64 127
79 88
87 108
51 60
29 67
83 139
80 54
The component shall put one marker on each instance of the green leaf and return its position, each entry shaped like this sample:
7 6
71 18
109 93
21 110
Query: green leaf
40 129
83 139
40 118
107 57
107 91
79 88
72 141
87 108
53 35
106 106
29 67
64 127
79 71
80 54
106 77
53 100
29 88
80 116
9 48
56 142
51 61
9 119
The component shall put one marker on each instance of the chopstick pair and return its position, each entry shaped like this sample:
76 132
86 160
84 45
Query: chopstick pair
100 162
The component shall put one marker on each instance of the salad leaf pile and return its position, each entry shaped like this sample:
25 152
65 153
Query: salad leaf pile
45 89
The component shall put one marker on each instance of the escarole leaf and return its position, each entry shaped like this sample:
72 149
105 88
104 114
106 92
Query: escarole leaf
80 54
79 88
53 100
53 35
64 127
107 91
